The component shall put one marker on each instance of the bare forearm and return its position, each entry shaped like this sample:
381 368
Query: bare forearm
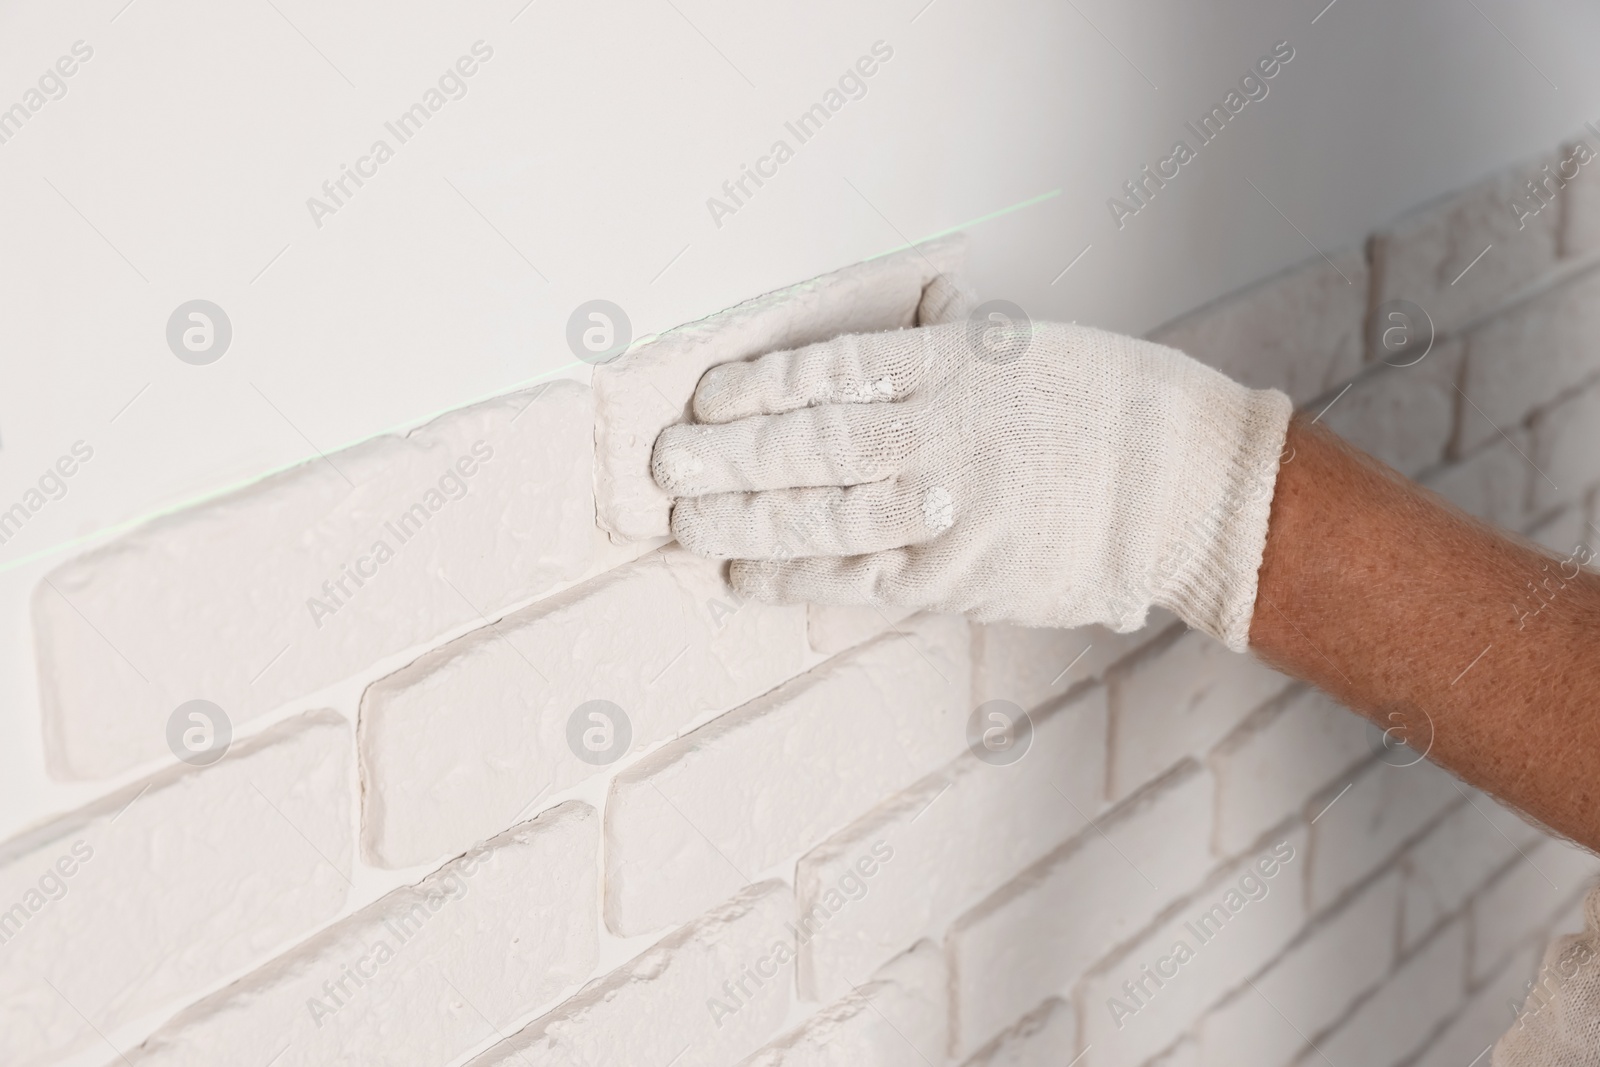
1398 605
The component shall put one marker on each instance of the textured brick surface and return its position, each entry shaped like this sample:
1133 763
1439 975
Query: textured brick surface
1455 859
1524 900
216 602
1422 257
1300 331
897 1019
1481 1021
1046 1037
689 824
642 393
439 965
1525 359
1394 1023
1385 806
1311 986
1404 416
1279 759
832 628
175 882
679 998
1020 945
458 744
1181 698
957 836
1230 928
1580 235
1028 665
1566 440
1492 483
944 909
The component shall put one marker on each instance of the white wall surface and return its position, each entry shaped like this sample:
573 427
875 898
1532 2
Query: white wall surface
578 165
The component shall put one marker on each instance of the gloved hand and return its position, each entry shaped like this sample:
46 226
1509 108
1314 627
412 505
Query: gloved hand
1044 474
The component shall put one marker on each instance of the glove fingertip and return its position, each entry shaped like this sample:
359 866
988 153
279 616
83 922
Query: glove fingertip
674 463
758 579
719 396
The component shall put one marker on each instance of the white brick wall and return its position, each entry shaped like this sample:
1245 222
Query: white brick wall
1025 941
463 740
897 1019
1232 926
689 824
794 859
421 975
1341 957
170 885
227 602
706 994
1274 763
959 835
1180 697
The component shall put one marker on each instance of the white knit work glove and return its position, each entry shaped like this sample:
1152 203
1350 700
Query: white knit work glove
1044 474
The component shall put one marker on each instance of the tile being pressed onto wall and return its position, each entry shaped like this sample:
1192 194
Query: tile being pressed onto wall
461 743
153 894
421 975
677 1002
651 388
307 577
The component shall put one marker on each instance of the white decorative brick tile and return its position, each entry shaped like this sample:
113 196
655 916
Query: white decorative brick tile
1356 831
1464 252
423 974
1396 1023
1179 698
1031 665
166 887
1403 415
309 576
1025 942
1299 331
460 743
898 1018
949 842
1528 357
1316 981
703 996
1045 1037
1231 927
691 823
1279 759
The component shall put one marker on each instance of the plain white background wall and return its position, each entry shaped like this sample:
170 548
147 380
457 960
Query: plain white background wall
578 165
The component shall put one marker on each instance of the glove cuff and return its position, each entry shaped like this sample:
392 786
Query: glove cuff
1207 574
